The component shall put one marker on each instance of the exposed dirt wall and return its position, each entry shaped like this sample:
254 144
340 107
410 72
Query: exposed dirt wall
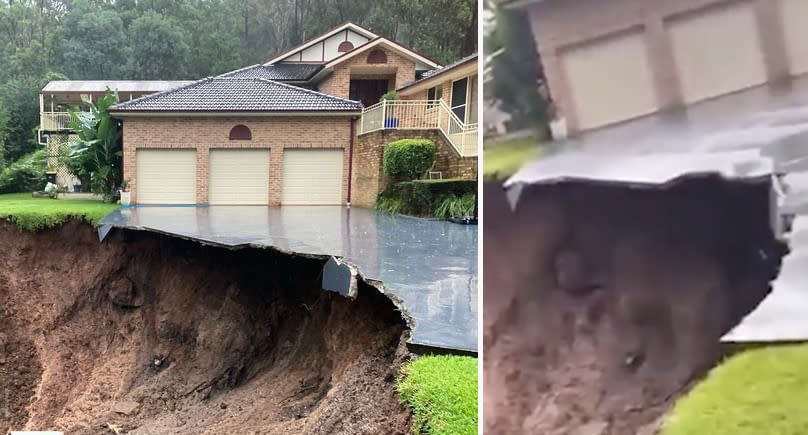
151 334
603 303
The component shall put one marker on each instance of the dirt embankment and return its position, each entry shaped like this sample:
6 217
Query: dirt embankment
603 304
147 334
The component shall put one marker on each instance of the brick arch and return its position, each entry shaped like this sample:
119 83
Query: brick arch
377 56
345 46
240 132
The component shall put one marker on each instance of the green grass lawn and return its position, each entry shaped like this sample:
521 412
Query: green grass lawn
501 159
758 392
35 214
442 393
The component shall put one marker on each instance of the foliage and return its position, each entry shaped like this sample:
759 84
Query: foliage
36 214
391 95
408 158
97 153
25 175
759 391
91 42
159 48
516 74
501 159
425 197
453 206
442 392
389 205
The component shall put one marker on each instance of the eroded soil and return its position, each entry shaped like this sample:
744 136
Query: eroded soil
145 334
603 304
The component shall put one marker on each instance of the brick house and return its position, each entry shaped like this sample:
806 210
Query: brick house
608 62
285 132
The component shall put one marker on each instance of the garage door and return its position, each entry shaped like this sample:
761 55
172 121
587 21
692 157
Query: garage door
610 80
717 51
166 176
239 177
312 177
795 17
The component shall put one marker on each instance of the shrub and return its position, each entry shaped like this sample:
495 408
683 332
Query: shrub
408 158
425 197
455 206
391 96
25 175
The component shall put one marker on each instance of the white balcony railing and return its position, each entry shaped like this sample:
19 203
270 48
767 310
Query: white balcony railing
53 121
421 115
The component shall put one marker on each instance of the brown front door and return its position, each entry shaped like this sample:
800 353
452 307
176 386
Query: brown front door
369 92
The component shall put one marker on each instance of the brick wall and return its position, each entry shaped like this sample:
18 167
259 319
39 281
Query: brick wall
368 178
398 69
561 24
204 133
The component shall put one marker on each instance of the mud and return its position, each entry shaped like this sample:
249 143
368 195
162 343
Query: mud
146 334
603 303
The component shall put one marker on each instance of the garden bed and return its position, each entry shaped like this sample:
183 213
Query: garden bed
451 198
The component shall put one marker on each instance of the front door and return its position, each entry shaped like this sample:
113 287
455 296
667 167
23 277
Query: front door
369 92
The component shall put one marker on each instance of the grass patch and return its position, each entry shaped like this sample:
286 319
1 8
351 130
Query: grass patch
759 391
501 159
442 393
36 214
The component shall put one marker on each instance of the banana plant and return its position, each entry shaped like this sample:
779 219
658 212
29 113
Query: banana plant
97 153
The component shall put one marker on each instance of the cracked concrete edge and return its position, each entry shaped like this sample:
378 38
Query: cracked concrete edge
356 274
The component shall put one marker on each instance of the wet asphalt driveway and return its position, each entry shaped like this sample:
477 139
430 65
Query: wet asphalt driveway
430 265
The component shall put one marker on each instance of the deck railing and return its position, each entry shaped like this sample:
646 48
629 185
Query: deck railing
421 115
53 121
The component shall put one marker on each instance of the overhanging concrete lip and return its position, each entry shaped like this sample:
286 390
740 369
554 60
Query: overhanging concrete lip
427 268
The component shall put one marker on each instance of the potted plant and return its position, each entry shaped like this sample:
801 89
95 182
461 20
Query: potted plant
391 122
126 196
558 124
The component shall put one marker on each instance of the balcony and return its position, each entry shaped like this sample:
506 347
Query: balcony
54 121
421 115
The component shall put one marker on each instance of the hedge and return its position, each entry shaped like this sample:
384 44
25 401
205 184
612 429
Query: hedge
422 197
408 158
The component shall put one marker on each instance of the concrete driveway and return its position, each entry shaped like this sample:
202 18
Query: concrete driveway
430 265
766 121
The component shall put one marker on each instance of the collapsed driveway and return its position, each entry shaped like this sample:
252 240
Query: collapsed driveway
431 266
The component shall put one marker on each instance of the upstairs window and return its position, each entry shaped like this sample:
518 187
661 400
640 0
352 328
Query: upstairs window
240 132
434 94
345 46
377 56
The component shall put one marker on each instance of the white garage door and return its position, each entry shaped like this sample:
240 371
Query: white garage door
166 176
717 51
239 177
795 17
610 80
312 177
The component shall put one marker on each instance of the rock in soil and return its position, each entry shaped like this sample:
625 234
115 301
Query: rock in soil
82 323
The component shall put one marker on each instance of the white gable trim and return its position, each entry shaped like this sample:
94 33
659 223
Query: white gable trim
404 51
349 26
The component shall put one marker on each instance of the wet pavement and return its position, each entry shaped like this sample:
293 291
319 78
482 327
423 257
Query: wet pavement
749 128
430 265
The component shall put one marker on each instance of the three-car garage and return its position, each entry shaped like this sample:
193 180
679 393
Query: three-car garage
240 176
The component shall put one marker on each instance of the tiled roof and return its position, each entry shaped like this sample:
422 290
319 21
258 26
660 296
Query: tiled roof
436 71
225 94
279 71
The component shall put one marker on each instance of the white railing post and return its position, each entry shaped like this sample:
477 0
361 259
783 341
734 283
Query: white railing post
384 114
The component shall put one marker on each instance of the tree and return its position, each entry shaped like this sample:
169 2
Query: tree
98 152
91 43
515 71
159 48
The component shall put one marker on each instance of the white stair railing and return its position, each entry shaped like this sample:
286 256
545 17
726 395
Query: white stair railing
421 115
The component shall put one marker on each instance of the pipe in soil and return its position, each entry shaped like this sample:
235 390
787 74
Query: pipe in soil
604 303
150 334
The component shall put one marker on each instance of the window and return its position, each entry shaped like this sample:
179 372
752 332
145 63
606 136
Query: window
434 94
240 132
377 56
345 46
459 90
